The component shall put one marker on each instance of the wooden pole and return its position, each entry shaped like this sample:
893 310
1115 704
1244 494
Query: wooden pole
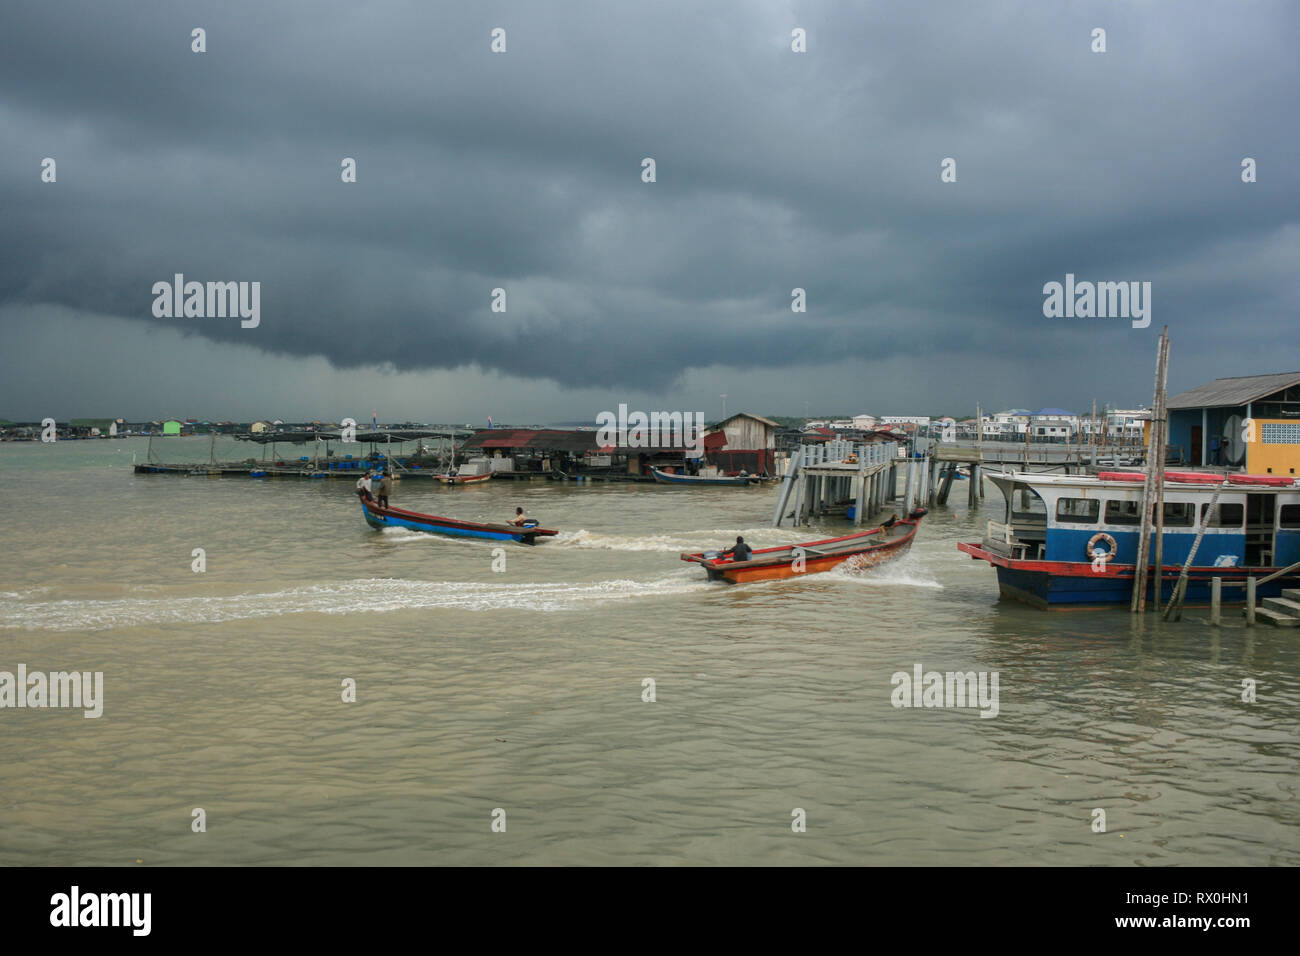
1093 430
1160 467
1137 603
1180 587
1250 602
1216 600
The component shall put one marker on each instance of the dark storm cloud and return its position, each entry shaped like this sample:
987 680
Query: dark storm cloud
775 170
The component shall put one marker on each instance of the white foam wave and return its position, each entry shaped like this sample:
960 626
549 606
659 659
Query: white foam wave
24 595
673 542
376 595
907 571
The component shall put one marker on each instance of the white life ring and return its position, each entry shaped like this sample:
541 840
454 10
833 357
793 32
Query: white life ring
1092 545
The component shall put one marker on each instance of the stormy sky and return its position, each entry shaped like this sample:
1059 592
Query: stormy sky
522 170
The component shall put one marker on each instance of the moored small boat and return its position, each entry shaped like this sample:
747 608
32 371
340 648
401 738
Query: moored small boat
463 479
671 478
864 549
390 517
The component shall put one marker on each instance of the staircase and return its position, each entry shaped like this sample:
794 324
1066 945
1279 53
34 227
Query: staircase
1281 611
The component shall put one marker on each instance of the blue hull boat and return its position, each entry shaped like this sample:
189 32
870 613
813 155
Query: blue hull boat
1073 540
378 517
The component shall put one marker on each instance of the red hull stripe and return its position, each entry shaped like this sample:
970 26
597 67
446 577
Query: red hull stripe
1084 568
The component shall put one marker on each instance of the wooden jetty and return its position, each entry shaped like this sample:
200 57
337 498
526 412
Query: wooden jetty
830 477
316 466
947 457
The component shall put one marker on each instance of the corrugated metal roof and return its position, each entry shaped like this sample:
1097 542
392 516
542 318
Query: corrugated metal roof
532 438
1234 391
757 418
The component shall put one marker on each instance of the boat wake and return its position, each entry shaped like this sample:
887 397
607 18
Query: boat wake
673 543
907 571
21 595
375 595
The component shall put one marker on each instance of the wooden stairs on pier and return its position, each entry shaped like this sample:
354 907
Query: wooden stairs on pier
1281 611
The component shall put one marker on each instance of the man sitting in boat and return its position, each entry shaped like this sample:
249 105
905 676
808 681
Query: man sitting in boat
363 488
519 517
741 551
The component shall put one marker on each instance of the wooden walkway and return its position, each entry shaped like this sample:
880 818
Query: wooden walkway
835 476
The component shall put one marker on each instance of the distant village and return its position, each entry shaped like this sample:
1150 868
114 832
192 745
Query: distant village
1015 425
740 444
1206 427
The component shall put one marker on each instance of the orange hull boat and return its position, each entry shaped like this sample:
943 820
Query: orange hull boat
858 551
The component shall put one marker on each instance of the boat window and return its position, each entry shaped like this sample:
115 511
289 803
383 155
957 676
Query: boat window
1178 514
1078 510
1123 512
1227 516
1027 503
1289 517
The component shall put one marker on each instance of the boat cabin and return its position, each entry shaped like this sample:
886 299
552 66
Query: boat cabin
1069 517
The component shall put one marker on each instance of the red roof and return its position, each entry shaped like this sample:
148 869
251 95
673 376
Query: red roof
542 439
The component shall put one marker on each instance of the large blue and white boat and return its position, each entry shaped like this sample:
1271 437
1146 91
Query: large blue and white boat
1073 539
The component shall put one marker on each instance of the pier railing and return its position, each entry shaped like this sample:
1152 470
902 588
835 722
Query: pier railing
1251 584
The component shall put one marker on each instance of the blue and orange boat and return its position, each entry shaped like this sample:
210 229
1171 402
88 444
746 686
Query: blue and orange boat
378 517
1072 540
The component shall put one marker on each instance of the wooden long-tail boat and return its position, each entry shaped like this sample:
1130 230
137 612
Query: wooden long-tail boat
864 549
390 517
462 479
666 478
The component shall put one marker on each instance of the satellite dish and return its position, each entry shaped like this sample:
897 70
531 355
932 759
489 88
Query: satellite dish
1234 449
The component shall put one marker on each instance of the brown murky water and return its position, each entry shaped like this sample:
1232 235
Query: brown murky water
522 690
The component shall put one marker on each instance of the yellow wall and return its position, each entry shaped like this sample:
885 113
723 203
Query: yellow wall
1262 459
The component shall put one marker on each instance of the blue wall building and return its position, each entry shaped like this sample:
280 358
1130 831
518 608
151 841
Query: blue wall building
1206 422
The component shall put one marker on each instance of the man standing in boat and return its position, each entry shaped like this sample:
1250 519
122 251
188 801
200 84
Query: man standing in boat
385 488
